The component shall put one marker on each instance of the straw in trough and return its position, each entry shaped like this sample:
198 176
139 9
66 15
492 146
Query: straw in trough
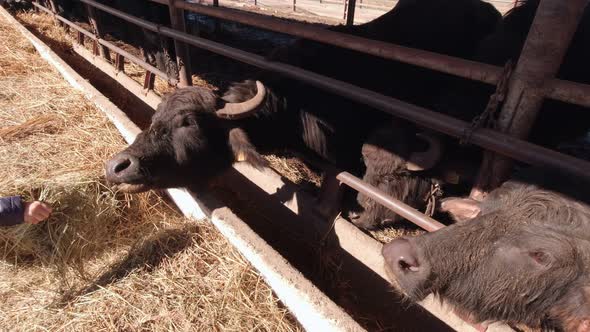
104 260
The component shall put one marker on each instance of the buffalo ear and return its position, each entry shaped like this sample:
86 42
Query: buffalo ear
461 209
584 326
243 150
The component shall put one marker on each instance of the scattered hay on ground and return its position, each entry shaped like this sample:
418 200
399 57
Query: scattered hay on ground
103 261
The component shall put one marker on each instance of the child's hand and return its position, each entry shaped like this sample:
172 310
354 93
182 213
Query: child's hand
36 212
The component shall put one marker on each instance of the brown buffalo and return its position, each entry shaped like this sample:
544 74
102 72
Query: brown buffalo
523 257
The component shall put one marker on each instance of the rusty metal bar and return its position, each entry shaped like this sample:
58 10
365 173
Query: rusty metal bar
95 50
80 38
94 22
486 138
119 63
547 43
182 55
81 32
394 205
561 90
148 81
349 9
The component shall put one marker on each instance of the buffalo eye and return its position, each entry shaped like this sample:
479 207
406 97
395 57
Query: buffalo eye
189 121
540 257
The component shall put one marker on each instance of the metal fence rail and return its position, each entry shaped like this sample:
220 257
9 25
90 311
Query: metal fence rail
561 90
111 46
485 138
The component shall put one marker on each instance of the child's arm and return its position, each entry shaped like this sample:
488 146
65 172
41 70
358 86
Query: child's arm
12 211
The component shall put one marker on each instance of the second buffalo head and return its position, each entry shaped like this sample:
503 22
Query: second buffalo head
193 137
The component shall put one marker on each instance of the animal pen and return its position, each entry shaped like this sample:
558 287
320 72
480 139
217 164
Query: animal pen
526 86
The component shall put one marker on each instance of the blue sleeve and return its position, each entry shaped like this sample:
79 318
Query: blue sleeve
11 211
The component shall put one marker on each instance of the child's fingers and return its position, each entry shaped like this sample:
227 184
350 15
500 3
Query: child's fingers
46 207
37 212
40 214
43 209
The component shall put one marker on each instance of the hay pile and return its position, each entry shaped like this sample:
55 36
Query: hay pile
103 261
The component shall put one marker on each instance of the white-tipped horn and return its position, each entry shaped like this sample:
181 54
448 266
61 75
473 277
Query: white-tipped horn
233 111
420 161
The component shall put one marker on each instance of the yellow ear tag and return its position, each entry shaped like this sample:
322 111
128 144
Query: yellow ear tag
241 156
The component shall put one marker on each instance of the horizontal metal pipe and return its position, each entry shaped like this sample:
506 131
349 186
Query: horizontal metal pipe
561 90
395 205
444 63
485 138
111 46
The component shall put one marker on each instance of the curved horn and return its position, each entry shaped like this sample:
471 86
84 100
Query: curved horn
420 161
244 109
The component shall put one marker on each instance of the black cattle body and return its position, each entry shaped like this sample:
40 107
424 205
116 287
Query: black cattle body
282 113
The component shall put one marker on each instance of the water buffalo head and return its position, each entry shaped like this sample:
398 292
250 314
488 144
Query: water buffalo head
396 156
193 136
523 258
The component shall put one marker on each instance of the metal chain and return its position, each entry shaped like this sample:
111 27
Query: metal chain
488 118
433 195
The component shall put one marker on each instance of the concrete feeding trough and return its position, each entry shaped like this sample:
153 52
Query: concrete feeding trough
279 246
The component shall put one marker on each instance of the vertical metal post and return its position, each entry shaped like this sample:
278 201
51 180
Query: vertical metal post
80 38
182 55
350 12
148 81
349 7
548 40
294 5
97 29
119 63
345 9
95 47
216 27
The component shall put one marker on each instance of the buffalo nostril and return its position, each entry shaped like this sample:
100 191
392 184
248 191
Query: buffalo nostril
400 254
122 165
404 265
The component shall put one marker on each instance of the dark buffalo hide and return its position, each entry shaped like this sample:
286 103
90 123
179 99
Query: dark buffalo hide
521 256
296 115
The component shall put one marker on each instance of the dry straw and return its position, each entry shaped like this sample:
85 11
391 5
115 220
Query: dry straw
104 261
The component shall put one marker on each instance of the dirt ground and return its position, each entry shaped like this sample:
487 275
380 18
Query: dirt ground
104 261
